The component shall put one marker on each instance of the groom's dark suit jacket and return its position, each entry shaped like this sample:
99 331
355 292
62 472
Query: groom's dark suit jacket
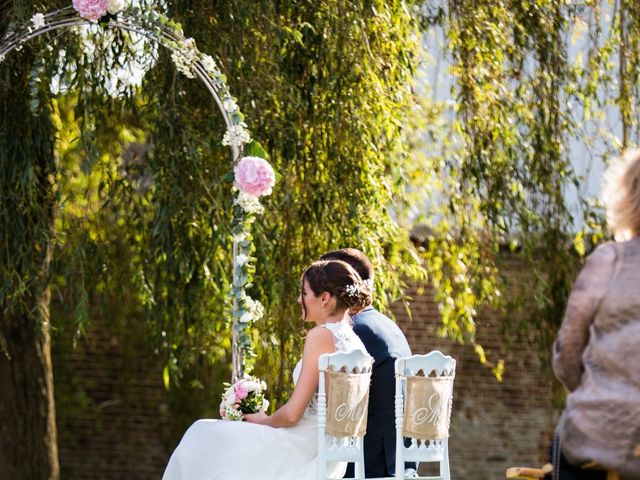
385 342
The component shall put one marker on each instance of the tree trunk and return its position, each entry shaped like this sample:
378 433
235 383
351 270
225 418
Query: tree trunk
28 208
28 437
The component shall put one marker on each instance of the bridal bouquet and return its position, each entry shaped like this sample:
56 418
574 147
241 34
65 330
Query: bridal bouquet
244 396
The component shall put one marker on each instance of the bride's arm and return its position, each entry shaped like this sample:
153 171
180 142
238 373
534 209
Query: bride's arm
319 341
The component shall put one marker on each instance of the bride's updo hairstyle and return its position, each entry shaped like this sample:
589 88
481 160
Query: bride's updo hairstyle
341 281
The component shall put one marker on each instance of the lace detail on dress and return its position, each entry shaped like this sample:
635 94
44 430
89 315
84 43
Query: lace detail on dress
346 339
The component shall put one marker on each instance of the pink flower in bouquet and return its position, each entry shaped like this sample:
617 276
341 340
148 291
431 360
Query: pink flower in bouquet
241 392
254 176
91 9
244 396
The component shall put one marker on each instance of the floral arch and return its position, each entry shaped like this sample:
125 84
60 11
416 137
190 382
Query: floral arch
253 175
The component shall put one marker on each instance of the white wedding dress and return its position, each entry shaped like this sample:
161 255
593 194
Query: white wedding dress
228 450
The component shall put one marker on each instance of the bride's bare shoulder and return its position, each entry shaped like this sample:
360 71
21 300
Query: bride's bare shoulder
318 336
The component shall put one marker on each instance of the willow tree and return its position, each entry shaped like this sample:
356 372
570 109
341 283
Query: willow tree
325 86
530 81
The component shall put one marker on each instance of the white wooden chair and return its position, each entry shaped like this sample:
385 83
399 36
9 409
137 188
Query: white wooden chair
427 400
342 420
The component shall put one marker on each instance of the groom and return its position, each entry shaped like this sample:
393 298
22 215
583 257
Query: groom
385 342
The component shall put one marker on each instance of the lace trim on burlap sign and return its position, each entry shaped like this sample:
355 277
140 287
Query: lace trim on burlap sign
427 407
347 405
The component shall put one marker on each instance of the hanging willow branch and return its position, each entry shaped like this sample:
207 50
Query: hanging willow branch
531 80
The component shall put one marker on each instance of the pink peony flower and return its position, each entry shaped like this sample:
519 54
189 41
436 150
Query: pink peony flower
241 391
91 9
254 176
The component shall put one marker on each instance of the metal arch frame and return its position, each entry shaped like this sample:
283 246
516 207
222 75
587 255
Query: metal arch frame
67 17
162 35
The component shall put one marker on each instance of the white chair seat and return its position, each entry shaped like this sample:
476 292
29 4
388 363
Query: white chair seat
433 452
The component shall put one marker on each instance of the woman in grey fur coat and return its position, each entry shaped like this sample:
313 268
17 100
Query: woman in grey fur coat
597 351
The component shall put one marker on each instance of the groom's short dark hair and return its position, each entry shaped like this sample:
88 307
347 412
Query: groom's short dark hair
355 258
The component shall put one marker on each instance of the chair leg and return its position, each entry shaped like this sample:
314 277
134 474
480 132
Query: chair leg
444 465
399 467
359 470
359 465
322 469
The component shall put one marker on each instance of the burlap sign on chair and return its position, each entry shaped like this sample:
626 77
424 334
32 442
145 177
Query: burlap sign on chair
427 407
347 404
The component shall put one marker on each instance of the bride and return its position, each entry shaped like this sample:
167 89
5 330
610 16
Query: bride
281 446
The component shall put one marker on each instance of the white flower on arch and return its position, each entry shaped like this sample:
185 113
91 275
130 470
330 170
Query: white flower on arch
236 135
210 66
38 21
117 6
242 259
185 57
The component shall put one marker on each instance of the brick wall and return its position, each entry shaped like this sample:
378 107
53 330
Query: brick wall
495 425
112 410
116 420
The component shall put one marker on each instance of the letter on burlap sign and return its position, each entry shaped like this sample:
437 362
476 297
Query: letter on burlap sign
427 407
347 405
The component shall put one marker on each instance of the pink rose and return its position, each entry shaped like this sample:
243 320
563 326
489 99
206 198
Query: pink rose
241 391
91 9
254 176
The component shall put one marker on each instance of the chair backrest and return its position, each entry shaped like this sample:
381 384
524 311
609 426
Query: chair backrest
342 420
423 409
428 398
433 362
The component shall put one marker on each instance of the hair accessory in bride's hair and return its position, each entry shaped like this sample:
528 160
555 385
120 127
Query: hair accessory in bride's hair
354 289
